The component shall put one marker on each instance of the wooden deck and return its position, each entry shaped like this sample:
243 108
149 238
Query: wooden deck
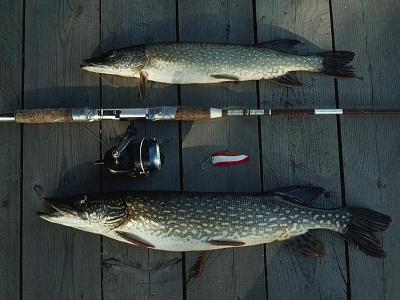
355 158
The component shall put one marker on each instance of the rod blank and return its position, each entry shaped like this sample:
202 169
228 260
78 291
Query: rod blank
170 113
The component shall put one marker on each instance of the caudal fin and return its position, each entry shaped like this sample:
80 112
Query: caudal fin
364 222
335 64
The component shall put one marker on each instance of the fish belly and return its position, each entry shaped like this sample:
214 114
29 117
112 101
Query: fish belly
169 238
197 75
179 76
177 243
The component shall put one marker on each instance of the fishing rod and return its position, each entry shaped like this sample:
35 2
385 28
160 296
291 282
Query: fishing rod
169 113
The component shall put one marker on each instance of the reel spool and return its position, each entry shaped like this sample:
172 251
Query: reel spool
135 159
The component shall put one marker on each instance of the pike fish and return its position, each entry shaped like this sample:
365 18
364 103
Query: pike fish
185 63
183 221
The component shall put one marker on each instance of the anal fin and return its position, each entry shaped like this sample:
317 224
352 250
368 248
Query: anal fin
287 80
132 239
307 244
226 243
225 76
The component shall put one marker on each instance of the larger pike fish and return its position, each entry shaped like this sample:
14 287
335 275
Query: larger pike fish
184 63
181 221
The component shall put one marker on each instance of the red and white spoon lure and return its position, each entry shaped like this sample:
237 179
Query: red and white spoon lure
226 159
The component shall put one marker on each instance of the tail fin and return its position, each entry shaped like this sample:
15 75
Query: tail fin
364 222
334 64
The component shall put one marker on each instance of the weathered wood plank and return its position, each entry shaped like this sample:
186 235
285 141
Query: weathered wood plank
301 150
231 273
131 272
11 20
371 144
59 262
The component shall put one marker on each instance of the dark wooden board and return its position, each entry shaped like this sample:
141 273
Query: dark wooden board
130 272
371 144
11 30
231 273
301 150
59 262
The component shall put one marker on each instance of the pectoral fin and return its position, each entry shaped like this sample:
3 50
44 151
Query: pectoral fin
225 76
287 80
226 243
306 244
142 84
132 239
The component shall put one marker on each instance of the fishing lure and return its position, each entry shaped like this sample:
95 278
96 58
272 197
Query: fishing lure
225 159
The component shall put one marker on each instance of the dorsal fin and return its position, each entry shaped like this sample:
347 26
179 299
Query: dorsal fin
298 193
283 45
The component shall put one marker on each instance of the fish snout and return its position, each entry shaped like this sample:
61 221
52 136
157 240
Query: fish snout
86 63
91 64
65 206
65 210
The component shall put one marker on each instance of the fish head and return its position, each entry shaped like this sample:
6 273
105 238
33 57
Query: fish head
95 213
123 62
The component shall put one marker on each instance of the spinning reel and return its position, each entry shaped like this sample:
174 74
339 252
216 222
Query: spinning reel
135 159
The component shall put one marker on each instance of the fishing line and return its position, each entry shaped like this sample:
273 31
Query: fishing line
95 135
108 82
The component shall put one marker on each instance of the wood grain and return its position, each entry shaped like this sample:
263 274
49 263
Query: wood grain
233 273
371 144
59 262
302 150
130 272
11 32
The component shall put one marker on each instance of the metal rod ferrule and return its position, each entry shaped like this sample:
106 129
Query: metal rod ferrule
85 114
328 111
9 117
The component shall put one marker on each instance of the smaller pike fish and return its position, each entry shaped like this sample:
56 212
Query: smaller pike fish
180 221
185 63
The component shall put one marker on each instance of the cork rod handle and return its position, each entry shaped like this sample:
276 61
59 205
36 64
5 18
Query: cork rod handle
42 116
188 113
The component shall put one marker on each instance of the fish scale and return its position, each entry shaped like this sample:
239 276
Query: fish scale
188 221
197 62
202 218
186 62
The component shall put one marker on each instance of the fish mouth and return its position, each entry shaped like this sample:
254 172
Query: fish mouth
98 62
58 207
49 216
86 64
